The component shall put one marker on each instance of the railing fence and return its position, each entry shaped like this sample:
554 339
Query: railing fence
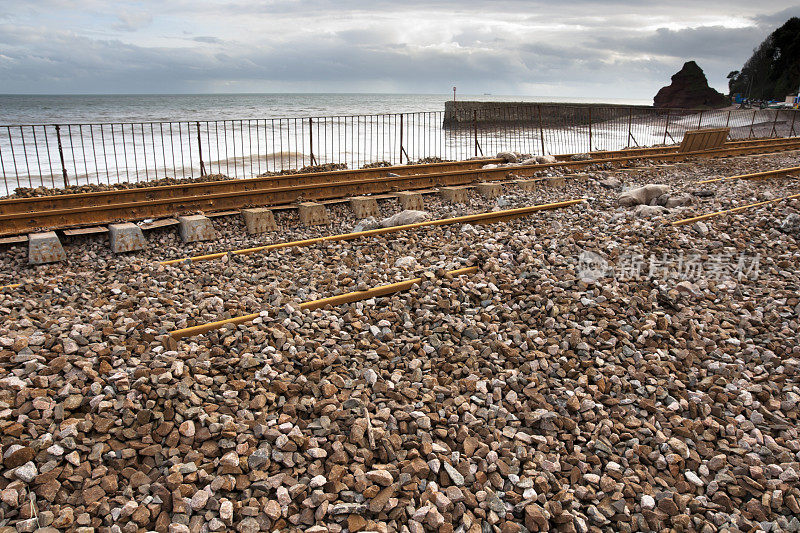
63 155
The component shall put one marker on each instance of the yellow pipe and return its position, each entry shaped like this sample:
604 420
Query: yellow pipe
376 292
12 286
341 299
755 176
733 210
487 216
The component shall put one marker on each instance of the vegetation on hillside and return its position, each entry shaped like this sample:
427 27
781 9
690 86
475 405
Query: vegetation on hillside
773 71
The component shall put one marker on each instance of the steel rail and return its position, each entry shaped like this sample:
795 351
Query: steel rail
778 173
706 216
487 218
340 299
180 190
17 223
766 141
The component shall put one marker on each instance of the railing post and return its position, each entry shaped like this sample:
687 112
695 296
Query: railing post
791 130
311 140
630 119
774 132
700 120
728 121
590 129
751 123
401 138
666 128
541 127
475 129
200 151
61 156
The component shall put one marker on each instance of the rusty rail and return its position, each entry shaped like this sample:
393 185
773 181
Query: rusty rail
182 190
16 223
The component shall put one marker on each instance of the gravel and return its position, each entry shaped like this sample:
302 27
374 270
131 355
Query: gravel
525 397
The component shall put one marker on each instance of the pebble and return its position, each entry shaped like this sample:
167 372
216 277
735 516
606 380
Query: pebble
648 502
455 476
520 396
187 429
26 472
199 499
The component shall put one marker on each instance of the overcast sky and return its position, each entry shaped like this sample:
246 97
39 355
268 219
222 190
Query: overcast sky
623 49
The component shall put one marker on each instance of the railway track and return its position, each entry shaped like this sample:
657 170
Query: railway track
183 190
19 216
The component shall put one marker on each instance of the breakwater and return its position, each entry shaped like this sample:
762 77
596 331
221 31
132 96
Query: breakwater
468 113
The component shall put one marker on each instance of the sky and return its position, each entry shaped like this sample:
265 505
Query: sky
583 48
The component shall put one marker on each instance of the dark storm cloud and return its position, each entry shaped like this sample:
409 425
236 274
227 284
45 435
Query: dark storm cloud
611 48
207 39
776 19
705 42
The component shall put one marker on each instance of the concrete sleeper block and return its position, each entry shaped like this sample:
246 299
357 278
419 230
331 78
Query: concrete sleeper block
410 201
553 182
259 220
195 228
489 190
528 185
45 248
125 237
364 206
313 214
456 195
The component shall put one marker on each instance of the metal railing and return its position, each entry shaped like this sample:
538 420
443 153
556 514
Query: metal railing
64 155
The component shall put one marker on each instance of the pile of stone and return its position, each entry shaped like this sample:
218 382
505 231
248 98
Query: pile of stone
30 192
524 397
651 199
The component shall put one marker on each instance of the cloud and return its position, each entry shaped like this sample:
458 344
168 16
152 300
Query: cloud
208 39
775 20
587 47
690 43
132 21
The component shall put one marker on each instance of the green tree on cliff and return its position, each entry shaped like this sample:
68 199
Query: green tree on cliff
773 71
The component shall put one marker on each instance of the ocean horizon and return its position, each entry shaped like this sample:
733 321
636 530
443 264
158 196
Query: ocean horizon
25 109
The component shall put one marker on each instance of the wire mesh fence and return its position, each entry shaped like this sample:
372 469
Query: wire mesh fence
61 155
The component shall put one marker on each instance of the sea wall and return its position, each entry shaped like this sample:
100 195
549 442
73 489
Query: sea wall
468 113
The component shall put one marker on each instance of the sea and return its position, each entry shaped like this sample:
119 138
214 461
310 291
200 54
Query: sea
64 109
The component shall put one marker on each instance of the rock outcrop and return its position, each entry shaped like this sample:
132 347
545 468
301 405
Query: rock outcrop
689 89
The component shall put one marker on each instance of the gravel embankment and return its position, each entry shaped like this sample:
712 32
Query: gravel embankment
524 397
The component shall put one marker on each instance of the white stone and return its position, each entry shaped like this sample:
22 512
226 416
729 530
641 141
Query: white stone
648 502
405 217
642 195
692 478
26 472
